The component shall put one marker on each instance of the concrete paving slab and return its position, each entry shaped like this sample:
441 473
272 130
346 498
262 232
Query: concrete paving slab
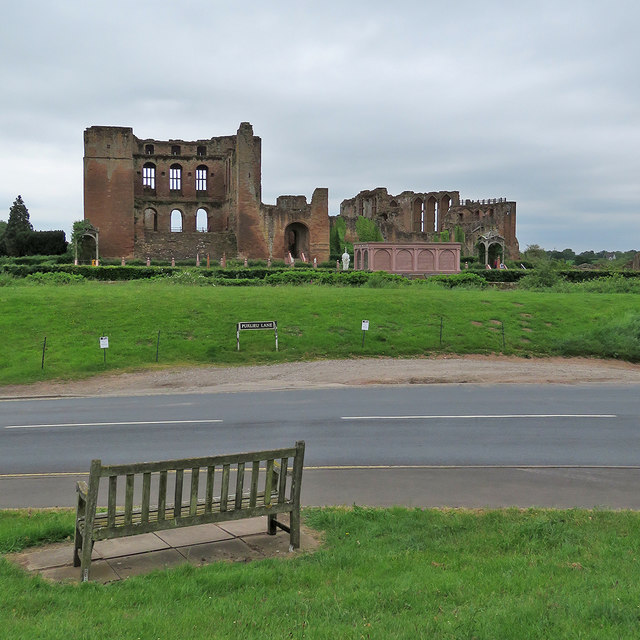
233 550
53 555
246 527
142 543
267 545
101 572
197 534
141 563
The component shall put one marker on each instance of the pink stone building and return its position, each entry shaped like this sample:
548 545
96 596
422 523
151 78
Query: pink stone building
420 258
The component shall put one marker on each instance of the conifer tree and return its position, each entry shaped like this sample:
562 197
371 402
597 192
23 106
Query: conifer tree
18 228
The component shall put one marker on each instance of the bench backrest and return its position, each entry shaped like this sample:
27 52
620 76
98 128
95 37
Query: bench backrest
240 481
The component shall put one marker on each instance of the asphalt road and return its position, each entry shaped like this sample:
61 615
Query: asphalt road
426 445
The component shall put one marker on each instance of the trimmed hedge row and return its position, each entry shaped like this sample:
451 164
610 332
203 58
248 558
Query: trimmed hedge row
287 275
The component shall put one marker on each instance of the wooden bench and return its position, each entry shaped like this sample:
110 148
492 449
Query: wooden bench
221 488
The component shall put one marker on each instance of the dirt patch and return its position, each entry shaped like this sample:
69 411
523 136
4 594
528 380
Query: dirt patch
489 369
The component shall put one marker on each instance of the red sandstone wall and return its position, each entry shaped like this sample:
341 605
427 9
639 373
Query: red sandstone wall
108 187
249 224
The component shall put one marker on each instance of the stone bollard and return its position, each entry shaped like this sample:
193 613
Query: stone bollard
337 265
148 261
268 262
315 263
245 262
173 262
223 261
123 262
197 259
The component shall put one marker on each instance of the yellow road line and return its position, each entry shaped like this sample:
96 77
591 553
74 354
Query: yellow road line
376 467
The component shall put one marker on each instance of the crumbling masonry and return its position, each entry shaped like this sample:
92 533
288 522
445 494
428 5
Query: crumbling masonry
174 199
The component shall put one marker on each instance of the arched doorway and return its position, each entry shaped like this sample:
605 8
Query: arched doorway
296 240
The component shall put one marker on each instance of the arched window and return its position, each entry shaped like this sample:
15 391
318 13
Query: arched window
202 222
201 178
418 216
149 175
150 220
175 177
176 220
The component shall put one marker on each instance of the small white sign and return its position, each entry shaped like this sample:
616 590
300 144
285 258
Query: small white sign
104 342
365 325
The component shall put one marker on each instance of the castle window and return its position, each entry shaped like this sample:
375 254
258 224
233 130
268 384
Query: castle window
148 149
175 150
176 220
201 178
202 151
150 220
149 175
175 177
202 222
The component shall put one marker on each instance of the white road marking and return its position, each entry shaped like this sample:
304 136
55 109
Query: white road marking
496 416
107 424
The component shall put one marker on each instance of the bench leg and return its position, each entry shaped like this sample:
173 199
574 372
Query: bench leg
85 558
294 529
77 545
271 525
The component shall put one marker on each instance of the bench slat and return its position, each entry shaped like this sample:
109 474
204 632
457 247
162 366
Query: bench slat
282 480
177 509
128 498
268 483
111 505
162 495
211 470
255 474
195 479
189 463
224 490
239 485
146 495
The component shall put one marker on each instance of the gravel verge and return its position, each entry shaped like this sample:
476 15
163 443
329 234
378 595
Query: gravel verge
339 373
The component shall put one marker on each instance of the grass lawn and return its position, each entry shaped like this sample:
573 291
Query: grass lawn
382 573
197 325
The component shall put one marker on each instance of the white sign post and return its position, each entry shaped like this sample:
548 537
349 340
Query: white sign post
104 345
256 326
365 327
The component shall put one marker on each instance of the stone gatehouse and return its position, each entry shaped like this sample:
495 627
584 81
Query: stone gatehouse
173 198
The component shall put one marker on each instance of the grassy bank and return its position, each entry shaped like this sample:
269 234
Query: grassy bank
197 325
393 573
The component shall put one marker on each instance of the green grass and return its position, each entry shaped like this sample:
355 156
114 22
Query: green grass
392 573
197 325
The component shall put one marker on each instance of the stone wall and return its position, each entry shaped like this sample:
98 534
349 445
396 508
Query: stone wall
420 216
164 245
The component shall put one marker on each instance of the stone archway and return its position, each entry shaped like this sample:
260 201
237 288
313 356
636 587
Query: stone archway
296 241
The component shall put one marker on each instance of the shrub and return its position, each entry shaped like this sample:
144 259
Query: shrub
58 278
543 277
615 338
188 277
464 279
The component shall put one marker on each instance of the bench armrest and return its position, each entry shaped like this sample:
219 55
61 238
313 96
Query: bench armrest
82 488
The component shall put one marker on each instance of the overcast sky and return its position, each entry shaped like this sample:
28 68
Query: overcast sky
535 101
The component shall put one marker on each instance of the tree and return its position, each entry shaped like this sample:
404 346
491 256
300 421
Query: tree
3 228
18 228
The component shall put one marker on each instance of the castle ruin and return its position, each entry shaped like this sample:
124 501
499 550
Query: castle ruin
175 199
